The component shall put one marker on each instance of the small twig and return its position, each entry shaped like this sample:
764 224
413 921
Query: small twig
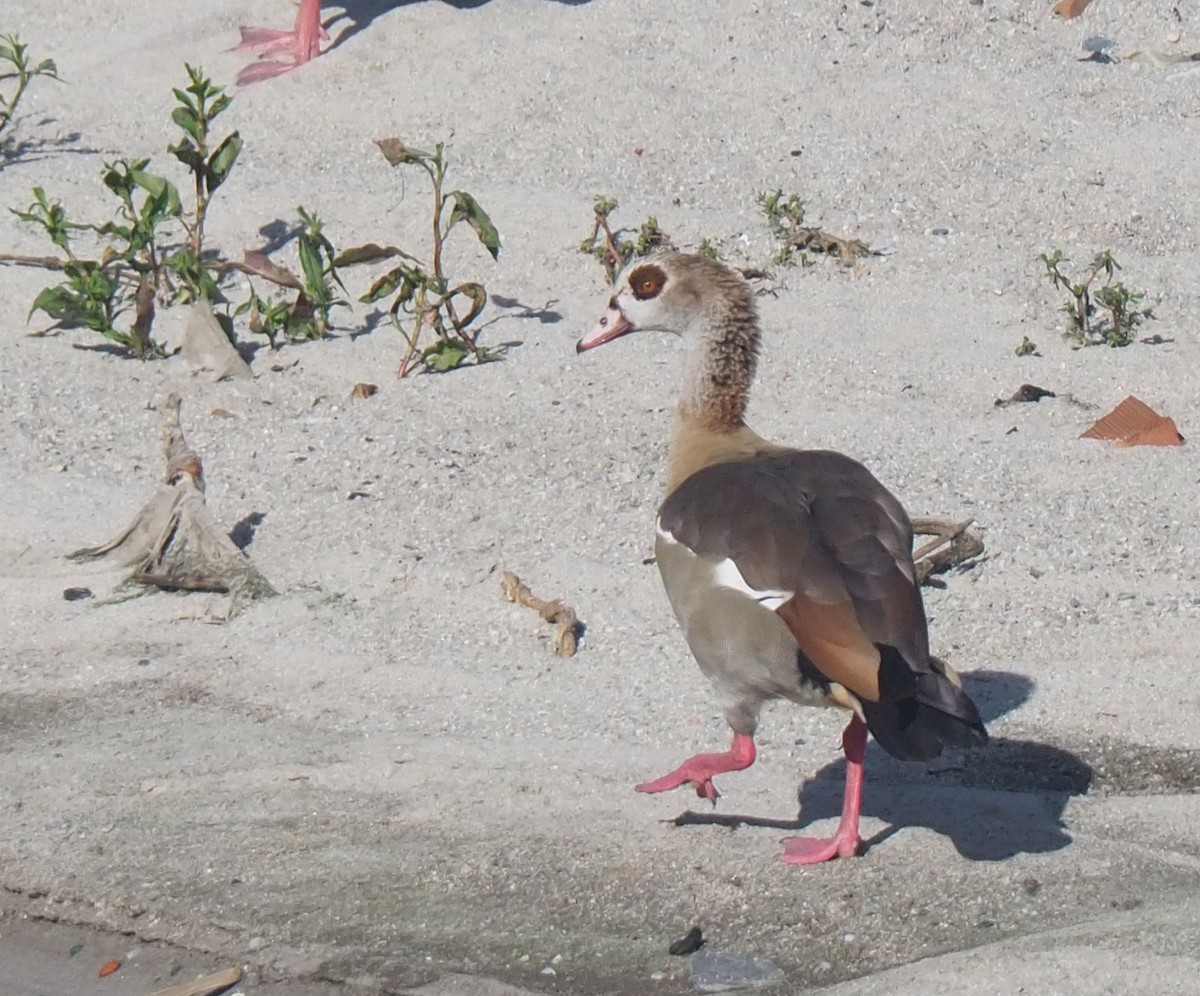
566 637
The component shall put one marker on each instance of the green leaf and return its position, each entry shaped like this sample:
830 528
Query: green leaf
221 161
187 118
445 355
164 193
219 105
312 264
57 302
467 209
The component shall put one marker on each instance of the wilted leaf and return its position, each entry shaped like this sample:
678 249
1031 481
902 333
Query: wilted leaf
389 282
1067 9
369 253
478 298
396 152
187 154
259 264
144 319
467 209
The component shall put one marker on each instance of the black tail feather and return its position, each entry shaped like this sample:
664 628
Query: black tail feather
930 713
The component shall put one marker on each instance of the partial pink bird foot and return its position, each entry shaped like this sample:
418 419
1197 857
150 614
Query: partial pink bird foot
813 850
699 770
302 43
846 841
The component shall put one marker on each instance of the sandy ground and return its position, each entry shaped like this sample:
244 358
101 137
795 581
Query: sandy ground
384 775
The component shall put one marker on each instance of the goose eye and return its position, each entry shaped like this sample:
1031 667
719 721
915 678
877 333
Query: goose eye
647 282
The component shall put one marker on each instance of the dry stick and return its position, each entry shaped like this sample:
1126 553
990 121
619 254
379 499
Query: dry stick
42 262
930 559
566 637
206 985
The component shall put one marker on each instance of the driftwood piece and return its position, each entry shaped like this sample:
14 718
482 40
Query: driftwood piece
566 636
173 543
952 545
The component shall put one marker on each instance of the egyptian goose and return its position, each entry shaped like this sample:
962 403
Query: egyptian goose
302 43
790 571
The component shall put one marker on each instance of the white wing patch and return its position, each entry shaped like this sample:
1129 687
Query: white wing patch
727 575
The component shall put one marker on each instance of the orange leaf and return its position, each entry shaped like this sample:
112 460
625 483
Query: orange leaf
109 967
1067 9
1134 423
1162 433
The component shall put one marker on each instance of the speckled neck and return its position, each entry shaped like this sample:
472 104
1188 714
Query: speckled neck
720 366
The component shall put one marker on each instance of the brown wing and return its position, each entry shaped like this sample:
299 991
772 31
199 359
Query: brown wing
818 525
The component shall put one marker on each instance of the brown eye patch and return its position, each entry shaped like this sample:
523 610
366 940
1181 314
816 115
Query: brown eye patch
647 281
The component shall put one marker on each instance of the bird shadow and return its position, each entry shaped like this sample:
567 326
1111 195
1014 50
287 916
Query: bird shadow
991 802
356 16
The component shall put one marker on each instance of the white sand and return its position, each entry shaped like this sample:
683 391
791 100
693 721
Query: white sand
385 773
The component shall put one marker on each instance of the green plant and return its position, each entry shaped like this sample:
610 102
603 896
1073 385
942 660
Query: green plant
200 104
136 262
308 316
710 248
423 297
97 292
1085 326
616 248
23 70
785 220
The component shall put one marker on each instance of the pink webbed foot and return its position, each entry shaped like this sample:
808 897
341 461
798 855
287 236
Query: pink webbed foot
846 841
699 770
302 43
814 850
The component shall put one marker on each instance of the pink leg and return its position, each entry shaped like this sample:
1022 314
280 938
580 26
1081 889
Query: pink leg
699 770
302 43
846 842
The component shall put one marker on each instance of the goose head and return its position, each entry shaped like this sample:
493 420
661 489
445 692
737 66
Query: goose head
670 292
